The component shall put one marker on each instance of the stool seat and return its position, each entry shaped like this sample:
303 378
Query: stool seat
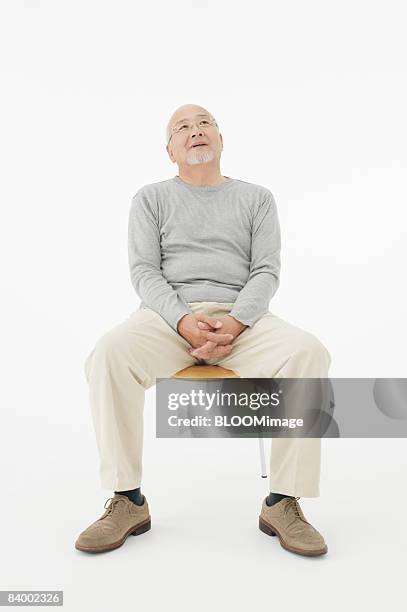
199 372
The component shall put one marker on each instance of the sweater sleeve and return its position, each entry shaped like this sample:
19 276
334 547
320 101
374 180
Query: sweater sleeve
264 277
145 262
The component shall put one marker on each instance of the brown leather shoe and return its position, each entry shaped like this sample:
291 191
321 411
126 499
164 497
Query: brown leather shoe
120 519
286 520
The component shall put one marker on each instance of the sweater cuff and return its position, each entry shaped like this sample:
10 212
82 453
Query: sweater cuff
249 321
173 322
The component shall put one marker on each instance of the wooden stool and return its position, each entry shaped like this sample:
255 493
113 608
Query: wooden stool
208 372
199 372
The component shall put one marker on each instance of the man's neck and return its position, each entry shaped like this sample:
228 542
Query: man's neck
202 177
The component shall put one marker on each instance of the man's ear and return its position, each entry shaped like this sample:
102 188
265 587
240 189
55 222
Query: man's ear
170 154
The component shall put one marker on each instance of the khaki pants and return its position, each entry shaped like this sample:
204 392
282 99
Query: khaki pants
127 359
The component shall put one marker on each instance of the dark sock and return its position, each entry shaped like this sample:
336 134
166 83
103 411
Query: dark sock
134 495
274 498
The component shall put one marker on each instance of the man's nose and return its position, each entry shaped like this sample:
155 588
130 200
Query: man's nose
196 131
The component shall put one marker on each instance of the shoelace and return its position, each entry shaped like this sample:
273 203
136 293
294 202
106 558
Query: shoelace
292 504
113 503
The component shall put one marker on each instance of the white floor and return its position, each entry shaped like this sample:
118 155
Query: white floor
204 550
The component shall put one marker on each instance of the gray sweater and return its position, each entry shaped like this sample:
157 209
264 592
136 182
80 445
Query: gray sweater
196 243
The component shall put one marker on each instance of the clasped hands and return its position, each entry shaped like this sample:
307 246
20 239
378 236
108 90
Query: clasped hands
209 337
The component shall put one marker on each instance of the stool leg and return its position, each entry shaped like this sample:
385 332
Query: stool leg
262 459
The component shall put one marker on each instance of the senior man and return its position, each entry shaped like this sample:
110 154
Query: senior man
204 255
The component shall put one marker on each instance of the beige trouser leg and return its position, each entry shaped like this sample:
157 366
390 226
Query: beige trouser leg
127 359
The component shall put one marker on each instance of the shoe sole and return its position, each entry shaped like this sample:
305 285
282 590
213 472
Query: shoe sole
140 528
272 531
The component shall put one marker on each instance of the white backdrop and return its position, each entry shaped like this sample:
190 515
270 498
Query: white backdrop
311 102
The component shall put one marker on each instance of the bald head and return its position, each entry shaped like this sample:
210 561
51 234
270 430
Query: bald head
181 113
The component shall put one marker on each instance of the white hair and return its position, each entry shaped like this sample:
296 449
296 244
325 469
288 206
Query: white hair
167 134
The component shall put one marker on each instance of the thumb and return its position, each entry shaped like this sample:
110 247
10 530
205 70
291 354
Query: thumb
203 325
213 321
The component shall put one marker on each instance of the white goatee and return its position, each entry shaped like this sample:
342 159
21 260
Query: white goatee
200 155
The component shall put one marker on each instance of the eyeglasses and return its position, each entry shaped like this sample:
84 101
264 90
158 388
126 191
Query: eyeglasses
185 126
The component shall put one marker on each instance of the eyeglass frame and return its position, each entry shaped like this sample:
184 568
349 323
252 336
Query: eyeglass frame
211 123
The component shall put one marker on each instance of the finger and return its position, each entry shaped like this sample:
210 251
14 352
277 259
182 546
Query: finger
203 350
208 346
217 351
220 351
212 321
219 338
